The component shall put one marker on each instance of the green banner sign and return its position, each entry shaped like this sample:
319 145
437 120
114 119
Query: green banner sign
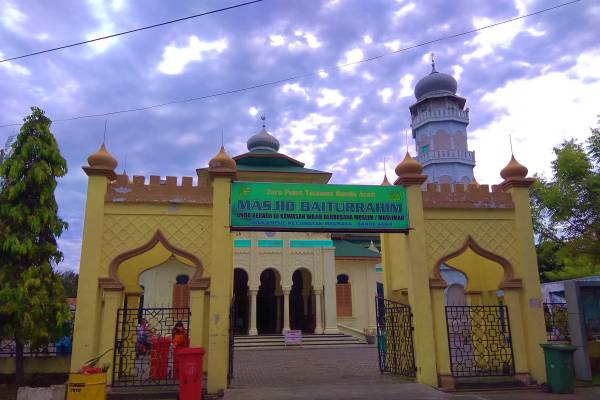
312 207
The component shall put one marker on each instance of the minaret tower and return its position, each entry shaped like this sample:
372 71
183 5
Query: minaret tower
439 127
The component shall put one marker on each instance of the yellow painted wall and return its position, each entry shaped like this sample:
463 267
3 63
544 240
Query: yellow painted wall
221 287
484 276
37 365
131 225
88 315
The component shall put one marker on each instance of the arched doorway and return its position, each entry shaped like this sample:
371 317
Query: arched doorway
269 303
479 338
240 301
302 316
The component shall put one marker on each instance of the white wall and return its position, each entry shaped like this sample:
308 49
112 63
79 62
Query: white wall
158 282
362 279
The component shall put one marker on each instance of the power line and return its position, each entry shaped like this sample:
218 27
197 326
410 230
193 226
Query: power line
308 74
132 30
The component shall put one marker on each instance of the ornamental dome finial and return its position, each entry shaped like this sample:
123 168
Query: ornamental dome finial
222 161
102 159
409 166
513 169
263 140
435 82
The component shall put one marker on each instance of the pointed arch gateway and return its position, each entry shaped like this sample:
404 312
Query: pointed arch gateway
508 280
128 280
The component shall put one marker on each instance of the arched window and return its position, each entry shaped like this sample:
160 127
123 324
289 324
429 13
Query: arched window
343 291
181 294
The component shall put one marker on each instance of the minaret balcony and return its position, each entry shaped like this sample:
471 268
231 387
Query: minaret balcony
445 156
443 114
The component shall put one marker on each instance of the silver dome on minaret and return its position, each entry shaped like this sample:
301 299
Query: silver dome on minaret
263 140
435 83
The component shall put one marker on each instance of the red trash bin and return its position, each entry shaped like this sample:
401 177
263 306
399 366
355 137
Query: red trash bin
159 357
190 373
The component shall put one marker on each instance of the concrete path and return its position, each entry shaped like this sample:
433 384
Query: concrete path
345 374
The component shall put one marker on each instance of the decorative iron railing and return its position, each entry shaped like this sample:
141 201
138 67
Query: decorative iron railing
146 343
434 155
479 341
440 115
395 338
557 321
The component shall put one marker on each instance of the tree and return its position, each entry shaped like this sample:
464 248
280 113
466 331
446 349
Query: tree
69 280
32 307
566 211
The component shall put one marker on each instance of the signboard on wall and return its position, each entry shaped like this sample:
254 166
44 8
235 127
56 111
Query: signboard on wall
282 207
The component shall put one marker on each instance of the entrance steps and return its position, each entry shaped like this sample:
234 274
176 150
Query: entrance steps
489 383
309 341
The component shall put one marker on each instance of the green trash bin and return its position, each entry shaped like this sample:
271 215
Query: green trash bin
560 369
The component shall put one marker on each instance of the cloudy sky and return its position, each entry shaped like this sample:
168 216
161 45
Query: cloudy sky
537 79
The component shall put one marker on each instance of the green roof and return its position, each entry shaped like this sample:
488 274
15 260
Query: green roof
268 168
347 249
271 161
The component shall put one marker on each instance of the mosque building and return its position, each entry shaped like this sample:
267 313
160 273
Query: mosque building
308 281
161 251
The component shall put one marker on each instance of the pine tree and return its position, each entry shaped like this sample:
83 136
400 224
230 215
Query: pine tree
32 307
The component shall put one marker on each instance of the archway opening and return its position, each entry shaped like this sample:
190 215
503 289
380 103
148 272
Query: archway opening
302 315
479 339
166 285
269 303
457 281
483 276
240 301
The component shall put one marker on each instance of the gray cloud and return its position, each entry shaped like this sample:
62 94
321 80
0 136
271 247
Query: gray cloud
176 139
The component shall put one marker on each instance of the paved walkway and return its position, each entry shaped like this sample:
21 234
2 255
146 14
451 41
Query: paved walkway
344 374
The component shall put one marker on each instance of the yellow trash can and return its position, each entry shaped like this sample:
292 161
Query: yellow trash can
86 387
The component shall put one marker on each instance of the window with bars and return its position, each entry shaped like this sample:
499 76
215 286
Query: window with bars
343 291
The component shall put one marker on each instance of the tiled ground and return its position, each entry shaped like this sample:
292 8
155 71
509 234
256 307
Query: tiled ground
264 368
346 374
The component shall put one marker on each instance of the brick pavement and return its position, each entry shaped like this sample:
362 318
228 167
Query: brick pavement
348 374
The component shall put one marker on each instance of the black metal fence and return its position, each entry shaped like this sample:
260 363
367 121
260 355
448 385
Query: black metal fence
557 321
479 341
61 347
395 337
146 341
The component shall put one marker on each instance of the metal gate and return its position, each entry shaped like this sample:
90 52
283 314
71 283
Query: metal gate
479 341
395 338
144 345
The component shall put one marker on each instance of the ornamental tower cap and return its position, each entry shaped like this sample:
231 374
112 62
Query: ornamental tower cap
263 140
409 166
513 169
435 82
102 159
221 161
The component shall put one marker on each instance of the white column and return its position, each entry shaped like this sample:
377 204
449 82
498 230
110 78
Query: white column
286 310
371 293
318 313
277 311
329 281
253 331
